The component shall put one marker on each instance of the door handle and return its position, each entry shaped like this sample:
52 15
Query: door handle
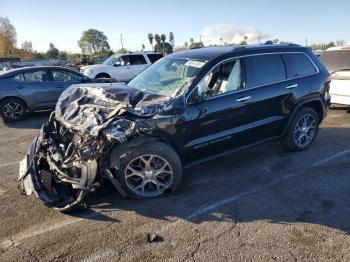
291 86
243 98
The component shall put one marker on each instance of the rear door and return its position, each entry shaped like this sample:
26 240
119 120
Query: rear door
36 87
272 94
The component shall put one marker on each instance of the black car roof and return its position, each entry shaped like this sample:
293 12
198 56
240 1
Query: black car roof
18 70
209 53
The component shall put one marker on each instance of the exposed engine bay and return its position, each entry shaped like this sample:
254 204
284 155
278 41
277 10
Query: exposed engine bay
71 155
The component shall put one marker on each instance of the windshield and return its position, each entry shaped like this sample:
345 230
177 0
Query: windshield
167 76
111 60
336 60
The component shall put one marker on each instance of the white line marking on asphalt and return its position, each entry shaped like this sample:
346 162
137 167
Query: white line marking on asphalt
9 164
252 191
16 239
40 229
2 191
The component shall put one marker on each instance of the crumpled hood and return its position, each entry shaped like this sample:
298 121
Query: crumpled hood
90 108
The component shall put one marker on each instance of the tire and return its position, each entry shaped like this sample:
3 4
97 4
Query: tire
103 75
160 156
299 136
13 109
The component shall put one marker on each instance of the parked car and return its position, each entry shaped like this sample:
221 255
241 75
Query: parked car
34 88
122 67
189 107
337 60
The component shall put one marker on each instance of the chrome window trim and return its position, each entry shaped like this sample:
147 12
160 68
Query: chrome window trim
252 88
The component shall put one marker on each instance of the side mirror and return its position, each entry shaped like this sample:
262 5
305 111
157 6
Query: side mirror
85 80
198 98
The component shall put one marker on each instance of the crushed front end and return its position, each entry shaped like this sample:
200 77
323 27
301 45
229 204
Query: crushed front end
70 156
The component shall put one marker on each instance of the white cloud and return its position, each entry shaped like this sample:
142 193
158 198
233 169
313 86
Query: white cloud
232 35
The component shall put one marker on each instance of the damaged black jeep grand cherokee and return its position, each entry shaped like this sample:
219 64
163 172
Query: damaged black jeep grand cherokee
188 107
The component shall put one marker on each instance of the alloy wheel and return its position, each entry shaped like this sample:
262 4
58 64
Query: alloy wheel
305 130
148 175
13 110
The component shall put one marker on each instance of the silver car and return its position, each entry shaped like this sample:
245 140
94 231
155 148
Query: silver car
34 88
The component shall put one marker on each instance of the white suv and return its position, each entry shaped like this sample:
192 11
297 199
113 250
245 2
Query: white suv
122 67
337 61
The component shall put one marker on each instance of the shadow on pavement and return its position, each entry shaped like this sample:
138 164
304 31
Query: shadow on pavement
318 195
33 120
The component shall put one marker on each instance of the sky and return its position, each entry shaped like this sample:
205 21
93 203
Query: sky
63 21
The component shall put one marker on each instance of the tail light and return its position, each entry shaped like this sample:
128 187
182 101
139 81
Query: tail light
329 78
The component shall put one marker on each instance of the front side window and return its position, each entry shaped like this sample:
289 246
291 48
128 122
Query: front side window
111 60
65 76
33 76
224 78
123 61
137 60
167 76
265 69
298 65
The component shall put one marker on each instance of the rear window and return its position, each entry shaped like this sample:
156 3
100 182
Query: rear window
298 65
265 69
154 57
336 60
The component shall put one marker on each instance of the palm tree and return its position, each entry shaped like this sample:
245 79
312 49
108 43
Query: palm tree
143 47
163 38
158 41
150 38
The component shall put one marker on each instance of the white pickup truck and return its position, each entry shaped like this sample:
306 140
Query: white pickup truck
122 67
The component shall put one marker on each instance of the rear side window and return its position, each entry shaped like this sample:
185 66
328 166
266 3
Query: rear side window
137 60
154 57
298 65
60 75
33 76
265 69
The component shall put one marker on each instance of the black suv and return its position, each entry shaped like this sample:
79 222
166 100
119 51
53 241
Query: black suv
186 108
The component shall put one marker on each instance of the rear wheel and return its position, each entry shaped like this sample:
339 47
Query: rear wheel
150 171
103 75
302 130
13 109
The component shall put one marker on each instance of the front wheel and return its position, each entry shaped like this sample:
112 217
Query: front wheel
150 170
302 130
13 109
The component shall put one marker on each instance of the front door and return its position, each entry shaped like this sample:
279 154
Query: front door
221 121
62 79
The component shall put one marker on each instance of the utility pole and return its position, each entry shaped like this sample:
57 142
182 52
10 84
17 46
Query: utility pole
306 41
200 38
121 40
